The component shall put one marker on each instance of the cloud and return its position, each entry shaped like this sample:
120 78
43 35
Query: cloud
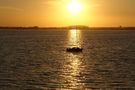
52 2
10 8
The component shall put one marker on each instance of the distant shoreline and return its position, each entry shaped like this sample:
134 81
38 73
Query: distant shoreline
71 27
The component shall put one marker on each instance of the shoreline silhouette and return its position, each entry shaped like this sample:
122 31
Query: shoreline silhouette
71 27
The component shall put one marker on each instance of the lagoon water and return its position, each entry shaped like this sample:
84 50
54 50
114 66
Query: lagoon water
37 60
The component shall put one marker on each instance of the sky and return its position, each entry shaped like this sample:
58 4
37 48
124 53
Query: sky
56 13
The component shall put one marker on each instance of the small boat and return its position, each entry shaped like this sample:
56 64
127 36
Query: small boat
74 49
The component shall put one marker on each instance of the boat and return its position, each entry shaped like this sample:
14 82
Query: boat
74 49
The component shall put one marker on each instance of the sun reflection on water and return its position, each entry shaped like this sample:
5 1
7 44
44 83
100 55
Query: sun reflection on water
72 71
75 38
73 64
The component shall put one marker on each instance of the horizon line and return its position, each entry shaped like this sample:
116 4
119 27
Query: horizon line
71 27
35 26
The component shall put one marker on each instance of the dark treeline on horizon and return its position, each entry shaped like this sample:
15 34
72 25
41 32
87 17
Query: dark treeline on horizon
72 27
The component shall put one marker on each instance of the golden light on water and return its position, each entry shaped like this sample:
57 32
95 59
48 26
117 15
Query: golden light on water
73 64
75 38
74 67
75 70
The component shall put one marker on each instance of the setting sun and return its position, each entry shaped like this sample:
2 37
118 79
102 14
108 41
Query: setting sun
67 44
75 7
60 13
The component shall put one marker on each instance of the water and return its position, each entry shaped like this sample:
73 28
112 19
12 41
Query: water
37 60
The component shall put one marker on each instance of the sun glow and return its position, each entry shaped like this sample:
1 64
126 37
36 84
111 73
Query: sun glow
75 7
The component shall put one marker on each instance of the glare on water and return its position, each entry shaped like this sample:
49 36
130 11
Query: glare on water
73 70
75 38
74 66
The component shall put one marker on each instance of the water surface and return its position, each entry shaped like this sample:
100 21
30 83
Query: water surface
37 60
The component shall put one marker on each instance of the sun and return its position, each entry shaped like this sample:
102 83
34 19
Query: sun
75 7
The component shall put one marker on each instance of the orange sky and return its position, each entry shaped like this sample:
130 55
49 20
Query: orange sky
55 13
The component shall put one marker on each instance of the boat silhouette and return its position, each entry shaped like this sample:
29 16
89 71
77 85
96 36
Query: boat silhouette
74 49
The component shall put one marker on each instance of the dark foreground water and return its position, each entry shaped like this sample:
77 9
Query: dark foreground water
37 60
